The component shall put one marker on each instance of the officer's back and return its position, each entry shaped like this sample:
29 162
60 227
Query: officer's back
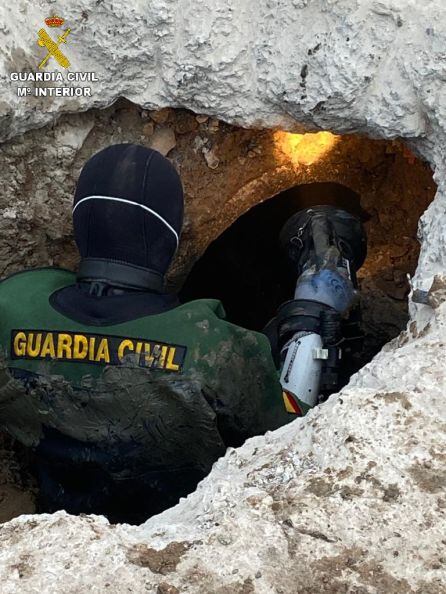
124 394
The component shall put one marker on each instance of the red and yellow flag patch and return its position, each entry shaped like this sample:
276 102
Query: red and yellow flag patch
291 404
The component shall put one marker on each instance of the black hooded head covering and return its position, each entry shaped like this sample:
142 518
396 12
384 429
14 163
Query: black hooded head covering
127 217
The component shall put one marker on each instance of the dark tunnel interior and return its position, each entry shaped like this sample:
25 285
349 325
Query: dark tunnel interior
246 269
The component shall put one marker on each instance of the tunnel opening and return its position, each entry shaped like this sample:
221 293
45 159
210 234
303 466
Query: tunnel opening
246 269
240 186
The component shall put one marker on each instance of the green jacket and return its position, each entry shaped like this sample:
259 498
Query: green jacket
180 385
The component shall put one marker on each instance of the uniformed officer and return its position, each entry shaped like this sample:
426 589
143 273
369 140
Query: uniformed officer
125 396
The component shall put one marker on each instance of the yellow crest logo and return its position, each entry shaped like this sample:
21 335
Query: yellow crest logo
52 46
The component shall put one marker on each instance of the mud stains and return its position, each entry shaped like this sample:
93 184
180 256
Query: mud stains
437 292
389 492
320 487
24 566
315 534
163 561
368 572
165 588
427 478
395 397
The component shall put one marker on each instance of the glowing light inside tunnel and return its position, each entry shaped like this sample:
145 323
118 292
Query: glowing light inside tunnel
303 149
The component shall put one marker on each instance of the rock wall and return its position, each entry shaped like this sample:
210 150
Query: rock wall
370 65
351 498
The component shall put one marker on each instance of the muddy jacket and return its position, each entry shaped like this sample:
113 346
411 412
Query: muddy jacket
171 388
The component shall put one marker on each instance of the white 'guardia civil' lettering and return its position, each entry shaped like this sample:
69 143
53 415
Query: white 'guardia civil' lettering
36 76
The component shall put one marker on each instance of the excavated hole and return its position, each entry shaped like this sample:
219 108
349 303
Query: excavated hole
239 190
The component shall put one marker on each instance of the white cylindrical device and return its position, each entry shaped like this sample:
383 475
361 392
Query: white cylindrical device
301 371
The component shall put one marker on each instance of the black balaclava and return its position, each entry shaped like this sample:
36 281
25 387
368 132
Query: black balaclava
127 217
